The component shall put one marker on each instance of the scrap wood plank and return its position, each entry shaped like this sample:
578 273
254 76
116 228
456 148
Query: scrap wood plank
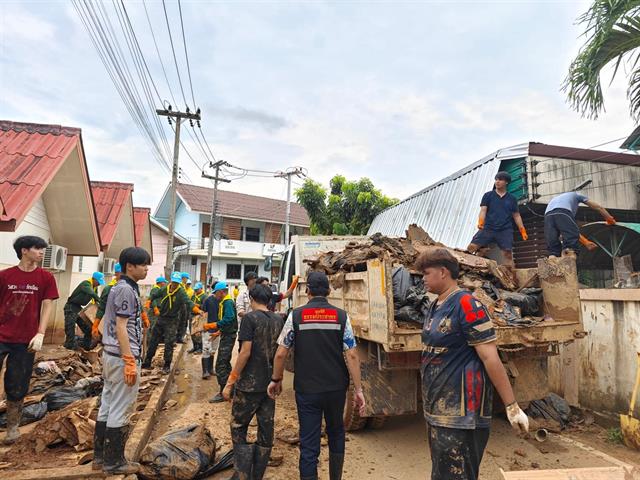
597 473
59 473
143 428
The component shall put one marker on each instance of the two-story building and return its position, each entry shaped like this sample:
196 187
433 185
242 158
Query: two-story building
249 230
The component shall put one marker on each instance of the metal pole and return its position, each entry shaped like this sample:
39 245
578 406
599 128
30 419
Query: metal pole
168 266
214 214
288 217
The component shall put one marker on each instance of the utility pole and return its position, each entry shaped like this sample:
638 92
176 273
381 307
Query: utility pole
214 211
179 116
297 171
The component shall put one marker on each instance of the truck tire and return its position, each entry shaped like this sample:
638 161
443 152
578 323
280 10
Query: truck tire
352 421
376 423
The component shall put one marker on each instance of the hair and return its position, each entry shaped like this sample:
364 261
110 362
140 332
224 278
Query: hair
318 290
28 241
134 256
249 276
261 280
261 294
438 257
506 176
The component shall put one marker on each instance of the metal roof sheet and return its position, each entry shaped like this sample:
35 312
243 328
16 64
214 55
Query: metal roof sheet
140 221
30 156
109 199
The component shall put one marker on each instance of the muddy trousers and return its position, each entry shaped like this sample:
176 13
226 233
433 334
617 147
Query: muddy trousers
118 400
210 344
455 453
71 319
559 224
183 320
163 331
223 362
18 371
311 408
245 406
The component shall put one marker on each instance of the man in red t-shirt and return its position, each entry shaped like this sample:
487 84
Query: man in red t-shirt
26 302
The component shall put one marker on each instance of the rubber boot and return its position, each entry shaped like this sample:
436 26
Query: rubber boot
243 461
260 461
98 445
205 368
166 369
114 461
336 462
210 365
218 398
14 414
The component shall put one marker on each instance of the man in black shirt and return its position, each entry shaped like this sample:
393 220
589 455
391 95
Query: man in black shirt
258 337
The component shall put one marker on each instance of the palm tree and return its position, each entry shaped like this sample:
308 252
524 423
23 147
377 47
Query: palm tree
613 35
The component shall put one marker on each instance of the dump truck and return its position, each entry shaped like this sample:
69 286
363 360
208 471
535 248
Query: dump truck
390 351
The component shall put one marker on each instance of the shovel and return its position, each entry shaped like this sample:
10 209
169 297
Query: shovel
629 425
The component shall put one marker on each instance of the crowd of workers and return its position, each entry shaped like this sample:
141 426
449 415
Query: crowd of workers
460 361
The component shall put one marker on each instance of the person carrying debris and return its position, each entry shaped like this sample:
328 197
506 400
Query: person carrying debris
169 303
561 231
122 340
498 211
324 358
86 292
248 384
277 297
198 297
228 325
210 336
185 317
102 304
27 293
459 359
243 302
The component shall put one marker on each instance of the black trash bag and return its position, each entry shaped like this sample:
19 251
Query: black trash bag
180 454
401 280
410 301
529 300
226 461
30 413
560 405
60 397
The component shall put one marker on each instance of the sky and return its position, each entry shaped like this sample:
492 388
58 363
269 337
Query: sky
404 93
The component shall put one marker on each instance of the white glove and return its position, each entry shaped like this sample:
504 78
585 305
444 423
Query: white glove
35 345
517 418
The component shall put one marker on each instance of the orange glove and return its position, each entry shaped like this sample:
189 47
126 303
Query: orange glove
147 304
130 370
95 332
611 221
196 310
587 243
480 223
156 311
145 319
523 233
210 326
294 283
233 377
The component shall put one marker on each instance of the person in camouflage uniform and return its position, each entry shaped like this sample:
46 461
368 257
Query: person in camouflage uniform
161 282
83 294
169 302
185 317
198 297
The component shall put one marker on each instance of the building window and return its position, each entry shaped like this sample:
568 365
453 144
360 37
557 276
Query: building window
234 271
80 262
251 234
251 268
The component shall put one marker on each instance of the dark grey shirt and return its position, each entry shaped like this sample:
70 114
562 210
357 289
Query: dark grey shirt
123 301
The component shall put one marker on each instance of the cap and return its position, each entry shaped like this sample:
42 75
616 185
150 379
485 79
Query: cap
220 286
98 277
176 277
185 275
188 281
198 286
161 280
317 280
117 268
506 176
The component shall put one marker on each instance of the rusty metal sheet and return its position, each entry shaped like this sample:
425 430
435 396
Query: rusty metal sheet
389 392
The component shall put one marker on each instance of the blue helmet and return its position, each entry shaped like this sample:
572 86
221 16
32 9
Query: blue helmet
98 277
117 268
161 280
185 275
176 277
198 286
220 286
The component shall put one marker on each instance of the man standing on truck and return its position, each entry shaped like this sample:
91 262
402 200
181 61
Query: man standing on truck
324 358
277 297
84 293
498 211
459 359
27 293
561 231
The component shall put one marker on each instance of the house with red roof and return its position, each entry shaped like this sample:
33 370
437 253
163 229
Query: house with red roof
250 229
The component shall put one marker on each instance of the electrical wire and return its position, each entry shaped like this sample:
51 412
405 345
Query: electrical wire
173 50
184 42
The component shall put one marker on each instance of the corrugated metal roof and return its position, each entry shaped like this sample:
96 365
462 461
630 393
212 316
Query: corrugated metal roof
109 199
140 221
30 156
442 209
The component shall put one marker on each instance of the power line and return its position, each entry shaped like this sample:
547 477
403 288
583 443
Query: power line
184 42
175 60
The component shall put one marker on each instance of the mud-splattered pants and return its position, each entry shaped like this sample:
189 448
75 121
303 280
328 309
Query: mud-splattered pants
455 453
210 344
223 362
163 331
18 372
71 319
118 399
245 406
311 408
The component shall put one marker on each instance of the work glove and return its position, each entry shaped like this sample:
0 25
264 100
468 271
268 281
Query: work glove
523 234
228 388
130 370
95 331
517 418
294 283
156 311
210 326
35 345
480 223
589 245
196 310
145 319
147 304
610 220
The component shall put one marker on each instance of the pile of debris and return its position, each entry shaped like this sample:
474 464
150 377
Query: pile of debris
493 284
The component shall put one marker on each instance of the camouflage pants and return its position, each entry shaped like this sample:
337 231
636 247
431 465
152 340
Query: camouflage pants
455 453
245 406
71 319
223 362
183 319
163 331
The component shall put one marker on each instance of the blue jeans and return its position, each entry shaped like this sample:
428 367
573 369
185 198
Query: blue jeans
311 408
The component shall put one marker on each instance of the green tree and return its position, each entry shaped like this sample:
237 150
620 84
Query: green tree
345 208
612 31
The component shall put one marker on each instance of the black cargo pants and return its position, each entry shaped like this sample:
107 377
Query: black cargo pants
245 406
560 223
455 453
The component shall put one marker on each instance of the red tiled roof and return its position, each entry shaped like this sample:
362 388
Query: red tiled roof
30 156
140 221
233 204
109 199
